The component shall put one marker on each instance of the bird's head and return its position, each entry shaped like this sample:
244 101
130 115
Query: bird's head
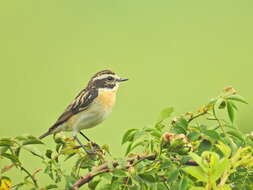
106 79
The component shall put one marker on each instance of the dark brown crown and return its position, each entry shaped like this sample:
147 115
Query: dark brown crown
103 72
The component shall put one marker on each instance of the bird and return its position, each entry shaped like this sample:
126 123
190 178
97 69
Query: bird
90 107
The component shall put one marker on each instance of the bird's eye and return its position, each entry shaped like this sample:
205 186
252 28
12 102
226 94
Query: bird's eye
110 78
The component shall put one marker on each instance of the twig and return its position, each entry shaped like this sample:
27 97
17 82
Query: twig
30 175
196 116
106 168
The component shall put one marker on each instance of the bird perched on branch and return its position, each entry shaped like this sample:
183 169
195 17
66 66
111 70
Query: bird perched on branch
90 107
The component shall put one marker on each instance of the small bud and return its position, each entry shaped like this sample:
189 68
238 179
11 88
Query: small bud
230 89
182 137
167 136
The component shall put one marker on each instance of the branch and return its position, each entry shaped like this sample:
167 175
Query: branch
105 168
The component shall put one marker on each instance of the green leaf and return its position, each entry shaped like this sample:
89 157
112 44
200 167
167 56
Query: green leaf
183 183
34 151
231 112
93 184
172 175
147 177
128 136
159 126
11 157
129 147
196 172
220 103
3 149
70 180
237 98
225 149
180 126
165 114
211 133
237 134
198 160
182 122
197 188
49 153
193 136
51 186
134 187
32 140
204 145
119 173
6 142
220 168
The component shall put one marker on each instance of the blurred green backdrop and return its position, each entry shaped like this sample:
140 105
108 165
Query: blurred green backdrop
176 53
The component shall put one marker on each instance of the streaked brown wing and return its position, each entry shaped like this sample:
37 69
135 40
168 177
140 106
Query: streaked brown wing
81 102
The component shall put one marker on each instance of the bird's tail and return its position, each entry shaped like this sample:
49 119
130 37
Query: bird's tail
44 135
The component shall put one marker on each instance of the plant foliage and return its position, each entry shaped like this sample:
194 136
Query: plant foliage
204 150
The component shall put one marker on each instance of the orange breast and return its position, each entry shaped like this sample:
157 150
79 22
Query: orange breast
107 98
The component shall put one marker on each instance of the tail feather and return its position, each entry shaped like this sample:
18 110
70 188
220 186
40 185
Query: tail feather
44 135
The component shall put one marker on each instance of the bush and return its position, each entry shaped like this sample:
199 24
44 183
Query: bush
196 151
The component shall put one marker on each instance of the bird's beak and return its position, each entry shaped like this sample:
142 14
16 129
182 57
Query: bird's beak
122 79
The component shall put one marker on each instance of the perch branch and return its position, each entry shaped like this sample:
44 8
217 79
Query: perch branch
106 168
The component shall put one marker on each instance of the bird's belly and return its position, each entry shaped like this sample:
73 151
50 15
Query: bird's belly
91 118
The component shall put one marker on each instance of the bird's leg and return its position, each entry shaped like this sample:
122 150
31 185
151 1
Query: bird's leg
96 146
80 143
84 136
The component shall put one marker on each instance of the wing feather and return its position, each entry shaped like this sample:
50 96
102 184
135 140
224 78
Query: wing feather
81 102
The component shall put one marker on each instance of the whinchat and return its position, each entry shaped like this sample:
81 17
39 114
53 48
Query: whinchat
90 107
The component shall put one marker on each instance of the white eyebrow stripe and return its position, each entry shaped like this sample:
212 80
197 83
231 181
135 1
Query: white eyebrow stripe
104 76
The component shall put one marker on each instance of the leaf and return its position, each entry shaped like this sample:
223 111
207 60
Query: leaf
237 98
34 151
180 126
193 136
51 186
172 175
11 157
32 140
119 173
224 149
182 122
196 172
70 180
159 126
198 160
128 149
165 114
231 112
49 153
237 134
6 142
197 188
220 168
147 177
3 149
93 184
211 133
220 103
183 183
204 145
134 187
128 136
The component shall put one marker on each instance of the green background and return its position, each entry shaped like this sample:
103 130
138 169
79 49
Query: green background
176 53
